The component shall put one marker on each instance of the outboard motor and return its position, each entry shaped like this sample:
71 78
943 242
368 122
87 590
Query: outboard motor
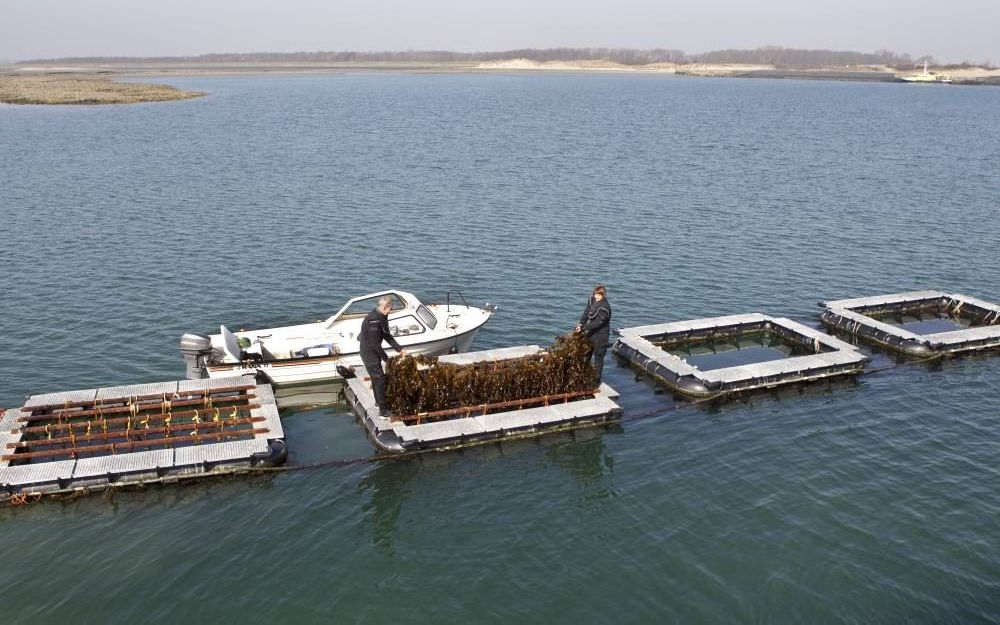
195 348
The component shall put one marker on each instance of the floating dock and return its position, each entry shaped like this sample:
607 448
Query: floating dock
472 425
649 348
918 323
77 441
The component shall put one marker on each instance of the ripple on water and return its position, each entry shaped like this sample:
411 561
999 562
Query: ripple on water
275 199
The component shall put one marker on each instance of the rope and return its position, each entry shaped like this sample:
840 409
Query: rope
638 416
22 498
904 364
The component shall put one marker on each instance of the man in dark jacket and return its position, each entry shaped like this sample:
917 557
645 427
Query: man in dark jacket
374 330
595 323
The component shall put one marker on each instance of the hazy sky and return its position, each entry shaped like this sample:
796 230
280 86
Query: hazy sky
951 31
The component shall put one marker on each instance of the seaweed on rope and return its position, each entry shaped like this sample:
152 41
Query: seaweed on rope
423 384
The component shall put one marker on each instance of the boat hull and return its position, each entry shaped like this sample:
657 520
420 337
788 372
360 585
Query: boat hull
321 369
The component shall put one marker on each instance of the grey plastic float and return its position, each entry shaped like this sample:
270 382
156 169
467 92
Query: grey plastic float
824 357
918 323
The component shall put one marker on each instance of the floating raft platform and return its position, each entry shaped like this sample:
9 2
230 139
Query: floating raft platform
958 322
826 357
77 441
473 425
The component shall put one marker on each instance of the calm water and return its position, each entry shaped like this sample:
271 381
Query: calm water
275 199
741 350
928 323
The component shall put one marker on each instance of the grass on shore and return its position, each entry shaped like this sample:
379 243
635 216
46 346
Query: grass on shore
83 90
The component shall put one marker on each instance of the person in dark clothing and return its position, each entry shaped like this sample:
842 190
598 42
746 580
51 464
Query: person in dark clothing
595 323
374 330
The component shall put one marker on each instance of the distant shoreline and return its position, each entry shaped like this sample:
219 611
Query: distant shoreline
94 83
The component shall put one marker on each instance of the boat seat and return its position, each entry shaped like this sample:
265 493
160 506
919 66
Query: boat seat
230 344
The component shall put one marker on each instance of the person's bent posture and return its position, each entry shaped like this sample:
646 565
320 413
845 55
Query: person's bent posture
374 330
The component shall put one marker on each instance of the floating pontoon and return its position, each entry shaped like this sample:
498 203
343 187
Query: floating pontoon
471 425
703 357
81 440
918 323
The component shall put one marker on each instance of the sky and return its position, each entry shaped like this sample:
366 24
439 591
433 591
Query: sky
953 31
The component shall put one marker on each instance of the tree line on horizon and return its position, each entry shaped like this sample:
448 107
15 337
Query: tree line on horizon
790 58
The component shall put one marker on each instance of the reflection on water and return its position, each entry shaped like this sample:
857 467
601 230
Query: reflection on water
584 455
387 486
526 190
309 395
926 322
587 459
742 349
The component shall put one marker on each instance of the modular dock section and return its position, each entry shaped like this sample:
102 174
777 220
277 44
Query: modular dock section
77 441
828 356
899 321
478 424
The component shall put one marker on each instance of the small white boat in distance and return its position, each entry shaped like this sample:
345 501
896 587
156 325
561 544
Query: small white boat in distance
312 352
926 77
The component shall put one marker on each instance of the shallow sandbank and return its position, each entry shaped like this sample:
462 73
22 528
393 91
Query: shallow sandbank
82 89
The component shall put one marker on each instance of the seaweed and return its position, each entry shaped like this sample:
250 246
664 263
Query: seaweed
422 384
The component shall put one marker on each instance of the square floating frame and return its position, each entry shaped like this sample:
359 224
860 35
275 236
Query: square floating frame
85 447
822 356
918 323
478 427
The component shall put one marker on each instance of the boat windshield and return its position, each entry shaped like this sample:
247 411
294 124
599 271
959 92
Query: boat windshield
364 306
427 317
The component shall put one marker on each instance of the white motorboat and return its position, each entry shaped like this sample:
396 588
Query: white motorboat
927 77
312 352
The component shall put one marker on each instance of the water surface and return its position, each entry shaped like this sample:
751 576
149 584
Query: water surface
275 199
743 349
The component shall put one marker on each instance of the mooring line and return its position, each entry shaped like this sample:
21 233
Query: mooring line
647 414
903 364
22 498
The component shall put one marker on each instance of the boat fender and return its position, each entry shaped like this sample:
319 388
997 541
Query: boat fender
389 441
276 454
692 385
915 348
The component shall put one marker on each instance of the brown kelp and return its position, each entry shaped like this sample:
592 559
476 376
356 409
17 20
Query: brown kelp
422 384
